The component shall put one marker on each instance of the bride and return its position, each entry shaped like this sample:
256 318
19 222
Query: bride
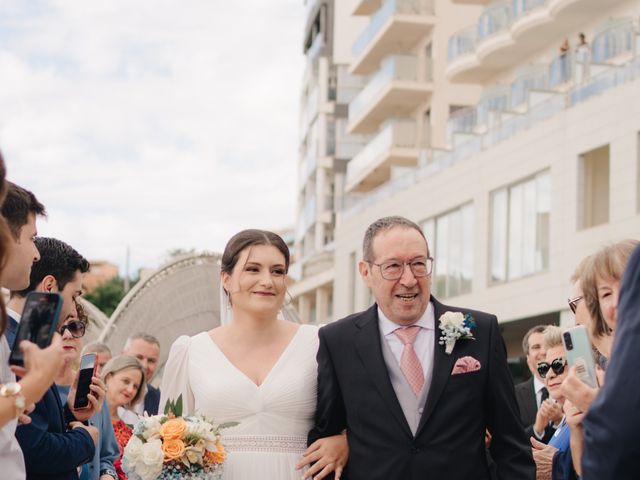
257 370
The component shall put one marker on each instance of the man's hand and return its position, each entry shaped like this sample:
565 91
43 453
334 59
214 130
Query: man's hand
40 367
573 415
330 454
93 431
579 393
549 412
543 456
96 397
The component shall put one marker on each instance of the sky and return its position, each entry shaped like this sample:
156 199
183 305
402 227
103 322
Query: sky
152 124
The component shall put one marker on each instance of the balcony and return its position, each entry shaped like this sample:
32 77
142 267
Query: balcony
527 79
396 27
508 31
613 40
394 146
400 86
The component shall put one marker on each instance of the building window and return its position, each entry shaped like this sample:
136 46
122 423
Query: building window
450 238
520 228
593 188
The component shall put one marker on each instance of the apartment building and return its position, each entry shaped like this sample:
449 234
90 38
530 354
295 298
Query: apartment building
375 96
515 186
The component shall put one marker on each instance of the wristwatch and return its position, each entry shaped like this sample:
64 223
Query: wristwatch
14 389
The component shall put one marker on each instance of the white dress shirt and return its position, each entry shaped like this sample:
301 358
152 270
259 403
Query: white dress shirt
15 315
11 457
424 344
537 387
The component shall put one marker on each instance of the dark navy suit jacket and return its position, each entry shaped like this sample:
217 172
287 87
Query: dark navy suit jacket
152 400
50 451
612 426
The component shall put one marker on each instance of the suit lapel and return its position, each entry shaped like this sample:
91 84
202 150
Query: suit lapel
367 342
442 366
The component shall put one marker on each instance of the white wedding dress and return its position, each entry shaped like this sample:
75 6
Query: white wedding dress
274 418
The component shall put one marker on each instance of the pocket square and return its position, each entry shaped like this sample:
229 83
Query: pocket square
465 365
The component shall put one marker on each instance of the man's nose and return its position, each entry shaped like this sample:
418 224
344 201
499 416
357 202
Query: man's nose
408 278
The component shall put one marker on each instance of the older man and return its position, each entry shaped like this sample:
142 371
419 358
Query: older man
539 414
146 348
414 407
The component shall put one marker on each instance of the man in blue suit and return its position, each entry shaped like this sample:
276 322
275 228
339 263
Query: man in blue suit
56 443
611 446
20 210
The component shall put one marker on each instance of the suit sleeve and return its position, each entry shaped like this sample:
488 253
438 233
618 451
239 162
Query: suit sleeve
52 453
330 416
611 447
510 448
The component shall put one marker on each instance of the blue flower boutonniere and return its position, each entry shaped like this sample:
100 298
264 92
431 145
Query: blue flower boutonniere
455 326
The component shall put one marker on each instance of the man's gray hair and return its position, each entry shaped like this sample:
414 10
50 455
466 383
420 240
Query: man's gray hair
96 347
384 224
525 339
141 336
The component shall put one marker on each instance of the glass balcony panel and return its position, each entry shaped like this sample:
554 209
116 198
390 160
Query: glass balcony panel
495 18
493 100
613 39
388 9
462 43
530 79
462 121
522 7
395 67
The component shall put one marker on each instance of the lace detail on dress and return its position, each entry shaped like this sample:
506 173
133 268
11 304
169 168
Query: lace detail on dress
265 443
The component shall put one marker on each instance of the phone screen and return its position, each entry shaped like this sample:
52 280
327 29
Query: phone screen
87 368
38 322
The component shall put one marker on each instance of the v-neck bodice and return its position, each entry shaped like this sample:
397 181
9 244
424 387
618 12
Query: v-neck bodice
274 417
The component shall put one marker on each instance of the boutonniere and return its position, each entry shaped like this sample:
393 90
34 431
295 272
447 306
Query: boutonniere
455 326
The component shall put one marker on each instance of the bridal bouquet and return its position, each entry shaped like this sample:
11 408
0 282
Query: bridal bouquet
172 447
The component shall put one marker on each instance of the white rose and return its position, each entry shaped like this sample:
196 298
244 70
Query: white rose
452 319
149 464
152 428
132 451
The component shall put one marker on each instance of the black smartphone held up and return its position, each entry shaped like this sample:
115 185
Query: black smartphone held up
37 324
88 366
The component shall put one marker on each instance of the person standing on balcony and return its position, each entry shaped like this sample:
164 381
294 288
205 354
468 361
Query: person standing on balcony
564 60
583 57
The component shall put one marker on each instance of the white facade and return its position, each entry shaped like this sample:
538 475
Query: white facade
540 172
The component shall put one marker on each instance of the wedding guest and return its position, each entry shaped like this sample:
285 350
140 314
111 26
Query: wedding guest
102 351
107 450
265 370
40 365
553 371
611 449
124 377
539 414
583 56
55 443
20 209
146 348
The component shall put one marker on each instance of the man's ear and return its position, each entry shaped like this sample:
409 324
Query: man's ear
48 284
365 272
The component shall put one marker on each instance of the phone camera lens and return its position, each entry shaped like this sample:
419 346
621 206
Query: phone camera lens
567 341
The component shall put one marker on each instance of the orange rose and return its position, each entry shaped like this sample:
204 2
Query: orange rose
173 429
173 449
216 457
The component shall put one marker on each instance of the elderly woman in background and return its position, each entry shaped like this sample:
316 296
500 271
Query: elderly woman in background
124 377
553 371
601 286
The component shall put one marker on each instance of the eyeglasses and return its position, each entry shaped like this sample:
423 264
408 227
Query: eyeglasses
76 328
557 366
394 269
573 303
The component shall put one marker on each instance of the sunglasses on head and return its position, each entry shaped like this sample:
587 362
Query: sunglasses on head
76 328
557 366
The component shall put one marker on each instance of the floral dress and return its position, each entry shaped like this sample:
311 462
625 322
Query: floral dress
123 434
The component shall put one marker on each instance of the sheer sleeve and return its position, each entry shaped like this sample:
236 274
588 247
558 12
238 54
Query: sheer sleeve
175 380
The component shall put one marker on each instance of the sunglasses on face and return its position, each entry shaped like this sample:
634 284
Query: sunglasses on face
76 328
557 366
573 303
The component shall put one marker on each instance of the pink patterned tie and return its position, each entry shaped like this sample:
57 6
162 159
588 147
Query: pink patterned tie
409 362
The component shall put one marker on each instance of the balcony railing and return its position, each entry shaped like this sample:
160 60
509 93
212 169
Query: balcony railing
495 18
532 78
522 7
561 70
462 121
394 133
307 167
462 43
395 67
613 39
388 10
495 99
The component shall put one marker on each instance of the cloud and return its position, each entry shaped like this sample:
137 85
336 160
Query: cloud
152 124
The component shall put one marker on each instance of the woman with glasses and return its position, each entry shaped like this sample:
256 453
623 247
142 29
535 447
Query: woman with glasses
553 371
124 377
107 450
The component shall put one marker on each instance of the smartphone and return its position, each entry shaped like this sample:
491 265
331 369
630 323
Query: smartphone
88 366
580 353
37 324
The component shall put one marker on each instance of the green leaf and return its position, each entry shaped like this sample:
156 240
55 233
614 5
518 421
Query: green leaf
228 425
168 407
178 407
